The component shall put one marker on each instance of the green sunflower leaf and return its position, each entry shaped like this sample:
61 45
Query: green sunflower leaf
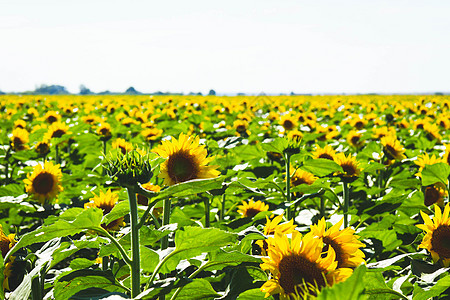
436 290
321 166
350 289
119 210
197 289
188 188
193 241
437 173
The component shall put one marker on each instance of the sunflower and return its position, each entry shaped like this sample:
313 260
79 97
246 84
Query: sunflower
104 131
299 176
241 127
91 119
423 160
446 157
52 117
57 130
344 243
288 122
435 194
272 225
437 234
252 208
123 145
381 132
45 182
432 132
298 267
42 147
106 202
142 200
186 160
392 148
349 164
152 134
20 124
295 134
19 139
6 243
358 123
354 139
326 152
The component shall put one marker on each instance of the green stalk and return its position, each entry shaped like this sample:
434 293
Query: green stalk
105 262
57 160
289 212
222 210
346 201
165 221
135 255
322 206
104 153
207 210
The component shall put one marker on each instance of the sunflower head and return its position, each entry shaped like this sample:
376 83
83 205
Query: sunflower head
106 202
130 168
437 234
289 122
52 117
252 208
20 124
392 148
185 160
435 194
326 152
432 132
19 139
344 243
6 241
298 267
354 139
425 159
446 157
57 130
104 131
152 134
123 145
142 200
350 166
241 127
299 176
45 182
42 148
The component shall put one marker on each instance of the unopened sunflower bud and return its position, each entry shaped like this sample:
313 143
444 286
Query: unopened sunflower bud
130 168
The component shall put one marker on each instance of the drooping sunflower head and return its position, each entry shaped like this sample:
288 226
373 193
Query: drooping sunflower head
432 132
326 152
123 145
298 267
437 234
299 176
392 148
45 182
19 139
152 134
185 160
425 159
142 200
6 242
42 147
252 208
349 165
435 194
106 202
344 243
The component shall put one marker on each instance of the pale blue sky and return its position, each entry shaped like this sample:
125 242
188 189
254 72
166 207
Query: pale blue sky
229 46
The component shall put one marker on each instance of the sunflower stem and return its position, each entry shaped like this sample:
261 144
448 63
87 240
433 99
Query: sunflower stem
322 206
288 186
165 221
104 154
135 255
207 210
57 160
105 262
346 202
222 210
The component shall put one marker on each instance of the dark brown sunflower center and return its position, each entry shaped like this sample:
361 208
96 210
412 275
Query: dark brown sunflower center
298 180
288 125
182 166
448 159
251 212
359 125
106 208
337 249
432 195
296 270
18 142
355 140
326 156
390 151
241 128
349 169
4 246
58 133
51 119
43 183
104 131
43 148
440 241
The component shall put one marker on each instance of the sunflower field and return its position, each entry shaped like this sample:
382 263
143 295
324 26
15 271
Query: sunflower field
208 197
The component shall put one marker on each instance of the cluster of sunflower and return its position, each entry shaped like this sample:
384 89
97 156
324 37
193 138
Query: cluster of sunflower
301 265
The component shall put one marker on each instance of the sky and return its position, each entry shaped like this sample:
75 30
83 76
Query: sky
249 46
